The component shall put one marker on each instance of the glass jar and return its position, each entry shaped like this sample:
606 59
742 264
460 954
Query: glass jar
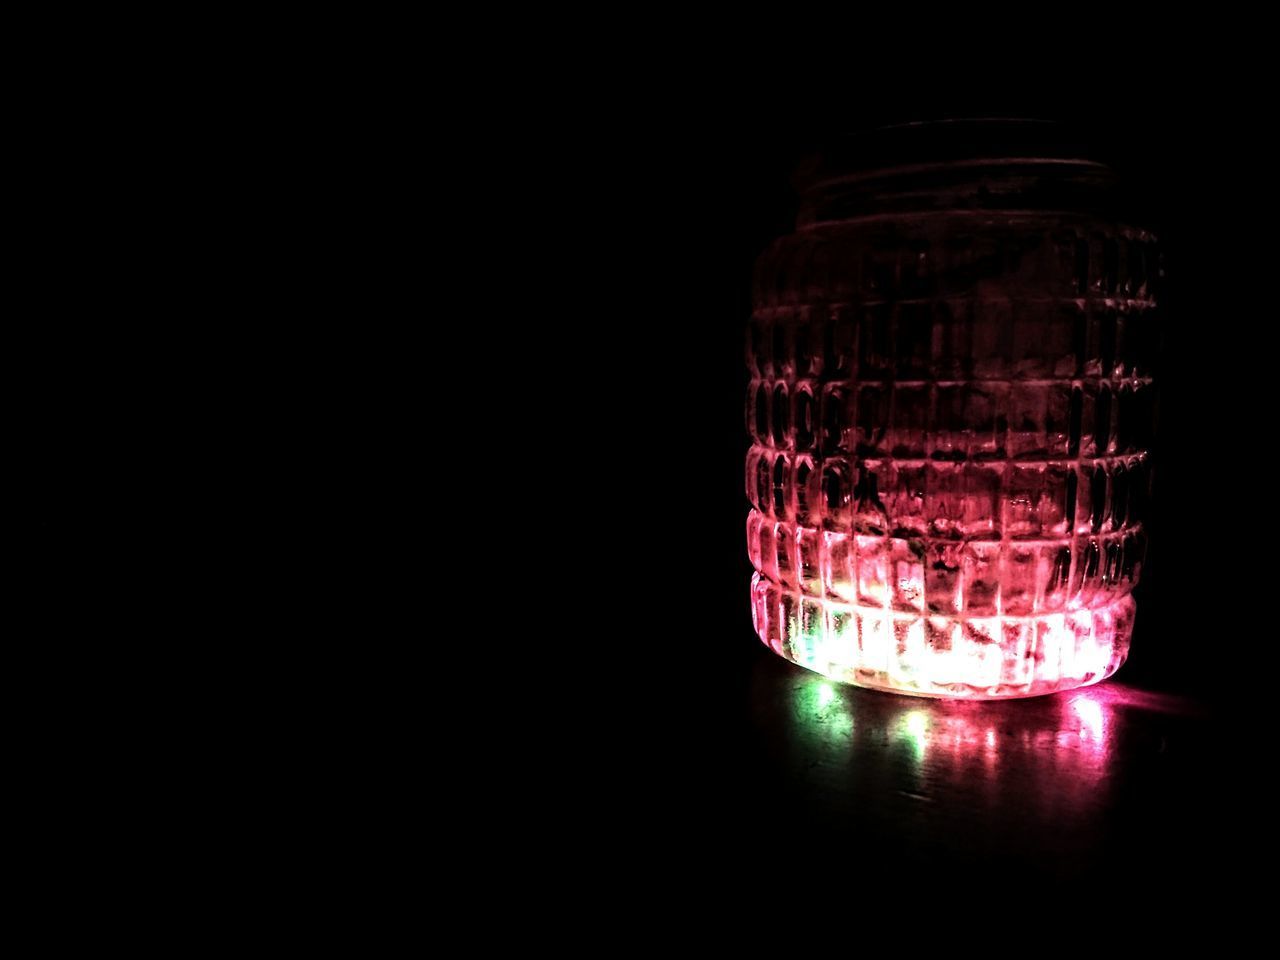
951 410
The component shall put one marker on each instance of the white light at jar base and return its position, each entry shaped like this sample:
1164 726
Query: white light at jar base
943 656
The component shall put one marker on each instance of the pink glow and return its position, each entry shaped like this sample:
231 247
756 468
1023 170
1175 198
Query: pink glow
950 415
1092 719
944 656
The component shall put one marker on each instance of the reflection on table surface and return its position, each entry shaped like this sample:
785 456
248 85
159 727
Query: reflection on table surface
1060 773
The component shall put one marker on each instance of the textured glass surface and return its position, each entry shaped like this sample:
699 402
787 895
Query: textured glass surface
951 414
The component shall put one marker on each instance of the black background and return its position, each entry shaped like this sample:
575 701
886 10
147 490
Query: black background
607 545
673 716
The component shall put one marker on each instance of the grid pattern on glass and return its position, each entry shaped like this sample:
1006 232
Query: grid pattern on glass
950 452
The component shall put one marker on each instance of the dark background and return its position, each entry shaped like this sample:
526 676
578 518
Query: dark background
697 743
679 748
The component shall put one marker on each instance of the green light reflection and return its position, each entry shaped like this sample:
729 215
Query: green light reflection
823 711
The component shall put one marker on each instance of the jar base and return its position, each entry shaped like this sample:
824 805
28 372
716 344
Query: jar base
953 657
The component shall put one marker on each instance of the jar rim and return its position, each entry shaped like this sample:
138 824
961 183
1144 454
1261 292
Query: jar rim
900 148
991 163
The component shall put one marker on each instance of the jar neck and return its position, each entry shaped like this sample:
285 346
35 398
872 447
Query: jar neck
1000 184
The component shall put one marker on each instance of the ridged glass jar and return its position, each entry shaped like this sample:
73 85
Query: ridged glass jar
951 406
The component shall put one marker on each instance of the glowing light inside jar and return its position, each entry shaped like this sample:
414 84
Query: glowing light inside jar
934 654
951 415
